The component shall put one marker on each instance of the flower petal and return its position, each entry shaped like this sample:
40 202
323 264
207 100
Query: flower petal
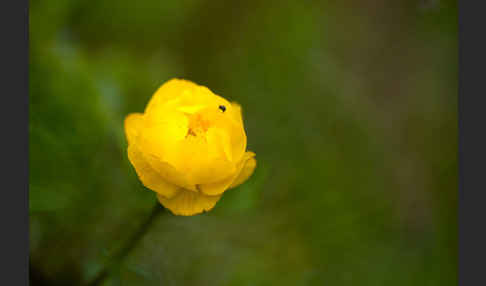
238 142
162 134
183 95
169 173
218 188
220 140
201 162
133 123
149 177
188 203
191 109
232 127
237 131
236 114
168 91
246 172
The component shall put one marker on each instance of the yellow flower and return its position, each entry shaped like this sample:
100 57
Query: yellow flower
189 146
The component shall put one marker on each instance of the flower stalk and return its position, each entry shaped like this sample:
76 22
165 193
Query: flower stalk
157 210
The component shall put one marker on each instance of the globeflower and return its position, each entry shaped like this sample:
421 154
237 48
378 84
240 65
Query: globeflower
189 146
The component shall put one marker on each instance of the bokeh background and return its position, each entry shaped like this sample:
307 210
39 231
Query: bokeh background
350 106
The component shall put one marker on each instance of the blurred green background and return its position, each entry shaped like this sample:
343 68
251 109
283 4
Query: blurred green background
350 106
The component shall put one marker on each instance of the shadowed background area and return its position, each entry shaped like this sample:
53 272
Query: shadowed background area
350 106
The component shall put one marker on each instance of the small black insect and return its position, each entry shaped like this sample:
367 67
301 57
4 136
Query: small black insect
222 107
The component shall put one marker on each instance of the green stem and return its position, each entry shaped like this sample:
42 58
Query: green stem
131 243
